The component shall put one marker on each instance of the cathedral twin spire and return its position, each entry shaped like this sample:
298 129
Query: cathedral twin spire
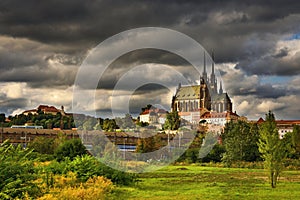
212 83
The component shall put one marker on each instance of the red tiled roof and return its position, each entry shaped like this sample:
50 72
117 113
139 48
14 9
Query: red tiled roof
287 121
261 120
218 115
42 107
45 108
156 110
146 112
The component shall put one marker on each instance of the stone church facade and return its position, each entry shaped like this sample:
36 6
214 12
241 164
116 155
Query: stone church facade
193 101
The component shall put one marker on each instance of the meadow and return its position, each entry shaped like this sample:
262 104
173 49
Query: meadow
199 182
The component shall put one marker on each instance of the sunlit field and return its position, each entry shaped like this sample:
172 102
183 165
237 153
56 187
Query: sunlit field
198 182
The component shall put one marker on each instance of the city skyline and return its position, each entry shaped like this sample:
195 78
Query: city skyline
256 46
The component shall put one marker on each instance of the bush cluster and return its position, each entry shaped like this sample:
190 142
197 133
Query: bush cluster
23 175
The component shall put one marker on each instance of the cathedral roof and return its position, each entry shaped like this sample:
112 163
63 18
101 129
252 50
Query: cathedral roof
188 92
220 97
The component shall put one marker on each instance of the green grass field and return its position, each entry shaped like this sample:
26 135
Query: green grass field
197 182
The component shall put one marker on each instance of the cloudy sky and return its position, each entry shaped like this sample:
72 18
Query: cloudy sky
44 43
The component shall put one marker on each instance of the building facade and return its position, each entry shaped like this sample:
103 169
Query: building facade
283 126
153 116
192 102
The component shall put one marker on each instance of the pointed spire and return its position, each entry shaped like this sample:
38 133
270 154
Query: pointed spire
204 62
221 89
204 70
213 80
213 63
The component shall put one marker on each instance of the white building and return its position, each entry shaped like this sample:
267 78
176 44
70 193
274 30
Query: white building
153 116
219 118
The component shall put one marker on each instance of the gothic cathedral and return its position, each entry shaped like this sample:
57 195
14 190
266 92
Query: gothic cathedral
203 97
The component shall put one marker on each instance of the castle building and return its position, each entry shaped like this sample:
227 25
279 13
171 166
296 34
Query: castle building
192 102
45 109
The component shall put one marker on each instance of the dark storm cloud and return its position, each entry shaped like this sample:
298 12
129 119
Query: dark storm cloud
128 61
83 20
10 105
39 65
236 30
149 56
272 64
149 87
282 53
46 41
261 91
39 77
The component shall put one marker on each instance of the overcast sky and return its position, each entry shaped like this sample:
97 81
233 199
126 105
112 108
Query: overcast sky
256 45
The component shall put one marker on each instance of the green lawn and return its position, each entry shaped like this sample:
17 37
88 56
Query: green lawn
196 182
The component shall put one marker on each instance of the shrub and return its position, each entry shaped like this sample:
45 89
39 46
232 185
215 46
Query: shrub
17 173
42 145
94 189
70 148
85 167
215 155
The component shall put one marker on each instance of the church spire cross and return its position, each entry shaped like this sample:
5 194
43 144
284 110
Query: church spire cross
213 80
221 89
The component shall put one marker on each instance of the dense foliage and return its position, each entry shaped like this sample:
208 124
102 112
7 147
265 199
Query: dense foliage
48 121
17 172
22 176
86 166
293 141
42 145
70 148
172 121
150 144
240 142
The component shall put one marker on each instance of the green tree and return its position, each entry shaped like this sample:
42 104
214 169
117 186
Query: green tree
142 124
207 144
240 141
17 172
215 155
48 124
295 141
191 155
84 166
172 121
271 148
70 148
42 145
145 145
2 117
109 125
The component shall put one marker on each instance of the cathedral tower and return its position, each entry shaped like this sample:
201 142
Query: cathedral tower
213 80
